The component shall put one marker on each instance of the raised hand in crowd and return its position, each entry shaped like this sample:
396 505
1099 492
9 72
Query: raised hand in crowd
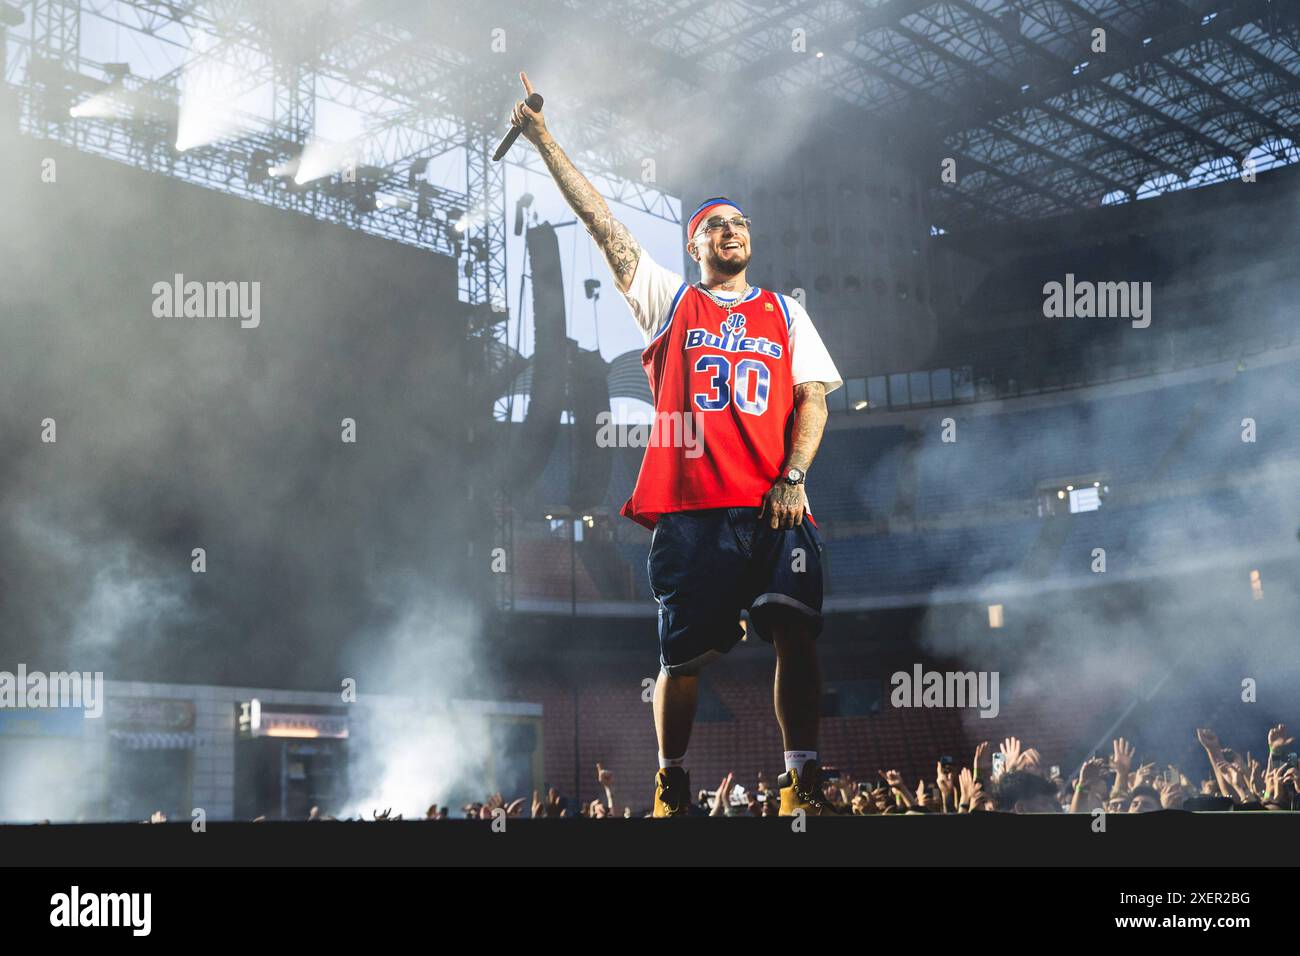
982 766
1011 748
1214 752
1144 775
894 780
722 797
1278 740
1172 793
1091 779
972 794
944 780
1121 761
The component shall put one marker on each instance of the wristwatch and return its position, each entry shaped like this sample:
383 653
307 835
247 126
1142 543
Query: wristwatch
794 477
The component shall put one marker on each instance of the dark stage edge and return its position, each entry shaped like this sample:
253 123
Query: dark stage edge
1164 839
327 883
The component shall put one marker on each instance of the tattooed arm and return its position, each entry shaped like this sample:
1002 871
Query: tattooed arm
621 250
615 241
784 503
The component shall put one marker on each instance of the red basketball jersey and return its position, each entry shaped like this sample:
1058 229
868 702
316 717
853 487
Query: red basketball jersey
723 391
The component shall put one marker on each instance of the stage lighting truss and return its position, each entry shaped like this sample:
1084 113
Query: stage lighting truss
417 96
1037 121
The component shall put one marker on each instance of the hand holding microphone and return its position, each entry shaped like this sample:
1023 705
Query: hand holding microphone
526 117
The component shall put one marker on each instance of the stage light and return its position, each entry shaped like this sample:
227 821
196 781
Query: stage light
1256 585
859 406
11 16
112 100
320 159
454 238
103 105
259 166
210 87
418 173
282 170
995 615
385 201
458 220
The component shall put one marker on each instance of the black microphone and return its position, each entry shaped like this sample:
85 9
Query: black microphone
534 103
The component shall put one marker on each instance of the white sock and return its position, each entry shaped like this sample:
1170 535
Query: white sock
795 759
671 761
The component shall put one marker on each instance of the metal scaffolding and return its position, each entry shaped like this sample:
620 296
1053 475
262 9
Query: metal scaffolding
1014 91
421 98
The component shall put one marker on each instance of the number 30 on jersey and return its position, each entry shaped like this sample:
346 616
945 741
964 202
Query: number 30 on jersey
751 375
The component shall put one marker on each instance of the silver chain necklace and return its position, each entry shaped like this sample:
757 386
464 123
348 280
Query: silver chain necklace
722 304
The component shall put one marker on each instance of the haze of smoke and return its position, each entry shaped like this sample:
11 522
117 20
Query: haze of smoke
1193 621
421 745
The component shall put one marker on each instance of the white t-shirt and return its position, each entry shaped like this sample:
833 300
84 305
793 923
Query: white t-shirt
654 287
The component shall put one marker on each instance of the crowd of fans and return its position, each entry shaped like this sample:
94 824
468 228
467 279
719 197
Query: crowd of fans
1010 780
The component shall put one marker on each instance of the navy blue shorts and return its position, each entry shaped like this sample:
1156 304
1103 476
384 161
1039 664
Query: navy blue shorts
707 566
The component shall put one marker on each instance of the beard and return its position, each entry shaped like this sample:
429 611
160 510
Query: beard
729 266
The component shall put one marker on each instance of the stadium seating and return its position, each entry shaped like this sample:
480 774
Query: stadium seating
905 513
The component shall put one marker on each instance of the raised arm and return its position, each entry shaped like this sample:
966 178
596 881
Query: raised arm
615 241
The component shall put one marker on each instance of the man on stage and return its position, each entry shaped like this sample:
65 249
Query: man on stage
732 530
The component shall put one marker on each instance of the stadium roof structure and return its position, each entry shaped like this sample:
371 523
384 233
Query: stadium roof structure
1038 119
1017 92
